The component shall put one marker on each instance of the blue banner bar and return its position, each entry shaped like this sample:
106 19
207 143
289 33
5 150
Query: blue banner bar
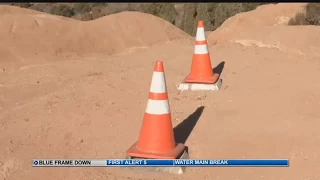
200 162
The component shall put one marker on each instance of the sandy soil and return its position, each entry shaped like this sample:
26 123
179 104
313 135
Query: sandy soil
265 15
81 105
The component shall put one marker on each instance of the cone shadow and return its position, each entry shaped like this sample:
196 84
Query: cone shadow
218 69
184 129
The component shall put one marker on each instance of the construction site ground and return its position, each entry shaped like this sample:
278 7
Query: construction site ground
72 89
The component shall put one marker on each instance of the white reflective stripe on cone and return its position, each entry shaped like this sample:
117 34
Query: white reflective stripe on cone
201 36
158 107
158 83
201 49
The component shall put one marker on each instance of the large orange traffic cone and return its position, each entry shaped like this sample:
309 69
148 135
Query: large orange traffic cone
201 68
156 139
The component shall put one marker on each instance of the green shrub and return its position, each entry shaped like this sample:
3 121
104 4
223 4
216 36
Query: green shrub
211 9
205 12
310 17
149 8
250 6
299 19
82 7
96 12
313 13
23 5
86 17
168 12
62 10
226 10
189 20
164 10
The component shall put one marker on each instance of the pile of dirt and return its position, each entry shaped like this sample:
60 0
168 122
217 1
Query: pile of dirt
27 33
117 32
267 106
266 15
306 39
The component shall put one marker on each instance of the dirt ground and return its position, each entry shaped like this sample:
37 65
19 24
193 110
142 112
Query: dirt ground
81 105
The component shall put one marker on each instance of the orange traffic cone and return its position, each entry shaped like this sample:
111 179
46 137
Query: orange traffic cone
156 139
201 68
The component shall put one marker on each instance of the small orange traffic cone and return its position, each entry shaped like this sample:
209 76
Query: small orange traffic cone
201 68
156 139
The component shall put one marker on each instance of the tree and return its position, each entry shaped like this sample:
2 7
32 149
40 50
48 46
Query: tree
86 17
189 18
310 17
167 12
149 8
313 13
23 5
62 10
205 12
211 9
163 10
82 7
96 12
226 10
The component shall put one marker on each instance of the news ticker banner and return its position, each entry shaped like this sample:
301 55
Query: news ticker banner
160 162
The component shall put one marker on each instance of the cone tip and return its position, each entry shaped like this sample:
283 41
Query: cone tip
201 24
159 66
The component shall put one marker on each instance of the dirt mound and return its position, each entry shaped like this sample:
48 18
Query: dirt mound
129 30
266 15
306 39
26 33
92 107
